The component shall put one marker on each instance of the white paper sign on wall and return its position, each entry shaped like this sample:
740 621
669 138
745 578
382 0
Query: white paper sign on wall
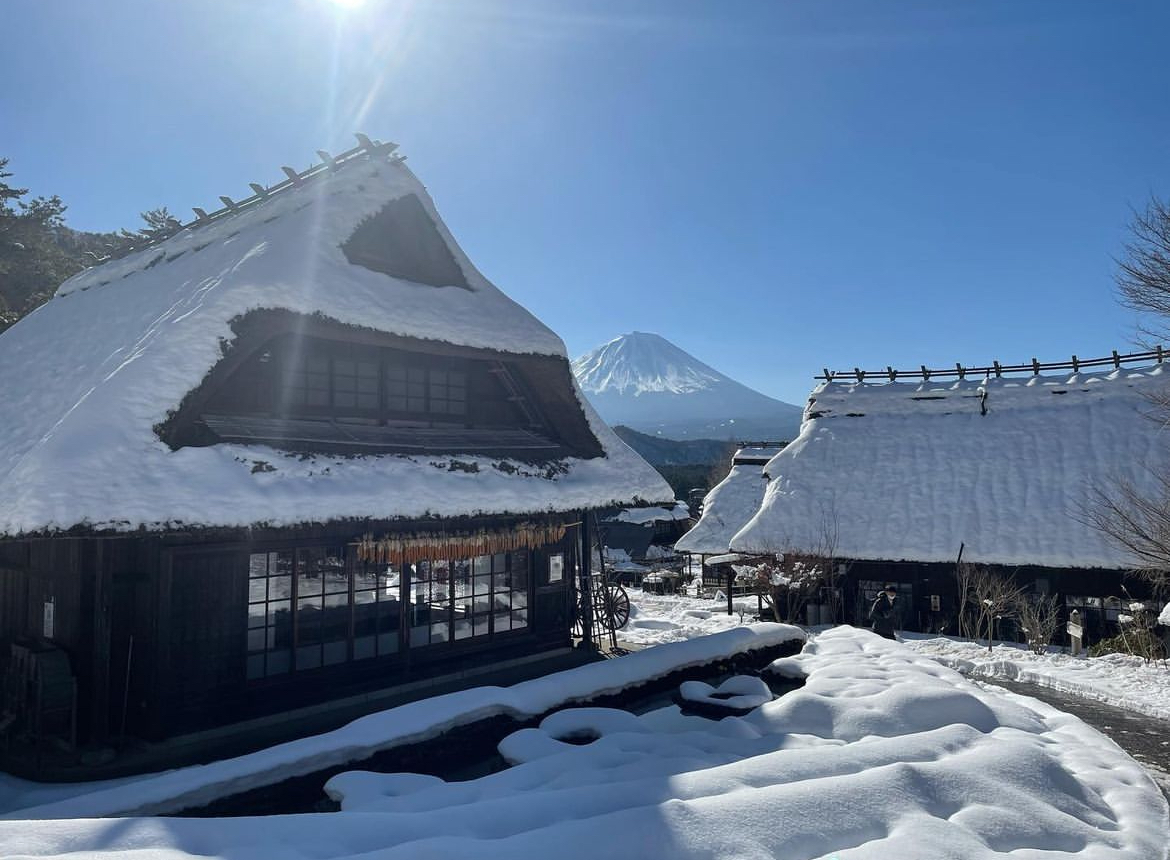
48 619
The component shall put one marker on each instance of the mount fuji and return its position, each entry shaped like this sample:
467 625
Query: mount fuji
646 382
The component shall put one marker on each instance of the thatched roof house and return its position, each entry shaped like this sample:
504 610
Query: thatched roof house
900 474
730 503
299 448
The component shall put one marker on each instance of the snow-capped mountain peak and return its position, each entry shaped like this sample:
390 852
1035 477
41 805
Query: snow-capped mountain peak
640 362
644 381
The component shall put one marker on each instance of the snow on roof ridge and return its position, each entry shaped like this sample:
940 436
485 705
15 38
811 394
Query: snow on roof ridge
1034 367
364 153
855 399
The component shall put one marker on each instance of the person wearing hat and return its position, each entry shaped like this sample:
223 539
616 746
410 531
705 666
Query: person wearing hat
883 613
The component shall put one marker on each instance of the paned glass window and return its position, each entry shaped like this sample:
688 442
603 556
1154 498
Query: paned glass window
406 389
430 604
448 392
317 606
308 382
270 616
322 600
375 610
355 384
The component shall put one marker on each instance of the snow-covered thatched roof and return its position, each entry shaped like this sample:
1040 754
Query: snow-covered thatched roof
730 503
89 375
909 471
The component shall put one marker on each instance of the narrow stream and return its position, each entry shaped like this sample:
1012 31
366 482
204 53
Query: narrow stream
469 752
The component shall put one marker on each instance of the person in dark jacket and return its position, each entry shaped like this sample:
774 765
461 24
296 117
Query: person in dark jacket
884 613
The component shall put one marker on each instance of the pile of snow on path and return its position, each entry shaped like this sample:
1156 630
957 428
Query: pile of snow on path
417 721
1116 679
882 754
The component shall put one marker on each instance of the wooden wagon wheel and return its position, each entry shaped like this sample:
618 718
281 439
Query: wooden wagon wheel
615 606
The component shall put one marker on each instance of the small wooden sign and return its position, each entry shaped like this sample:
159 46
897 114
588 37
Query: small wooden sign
48 619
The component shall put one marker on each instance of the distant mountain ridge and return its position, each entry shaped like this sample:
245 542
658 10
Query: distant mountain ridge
645 382
659 451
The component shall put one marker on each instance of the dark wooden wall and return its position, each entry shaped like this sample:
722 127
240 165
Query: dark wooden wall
925 580
156 628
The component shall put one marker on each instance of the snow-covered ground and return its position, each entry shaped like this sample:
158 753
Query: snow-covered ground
1117 679
883 753
657 619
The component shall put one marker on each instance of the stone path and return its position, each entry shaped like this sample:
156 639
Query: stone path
1147 739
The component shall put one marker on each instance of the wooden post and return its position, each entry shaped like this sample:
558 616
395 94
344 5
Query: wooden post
925 373
1116 359
99 721
1035 367
586 582
162 678
1076 364
998 369
730 584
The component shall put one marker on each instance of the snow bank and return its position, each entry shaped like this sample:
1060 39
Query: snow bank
1116 679
882 754
428 718
91 372
908 471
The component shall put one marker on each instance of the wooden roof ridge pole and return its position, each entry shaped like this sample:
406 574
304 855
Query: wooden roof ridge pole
365 146
1035 366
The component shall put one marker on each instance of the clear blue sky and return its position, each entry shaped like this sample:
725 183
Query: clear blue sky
774 186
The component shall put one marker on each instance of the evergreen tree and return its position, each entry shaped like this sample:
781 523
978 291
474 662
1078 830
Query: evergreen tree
37 250
160 223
